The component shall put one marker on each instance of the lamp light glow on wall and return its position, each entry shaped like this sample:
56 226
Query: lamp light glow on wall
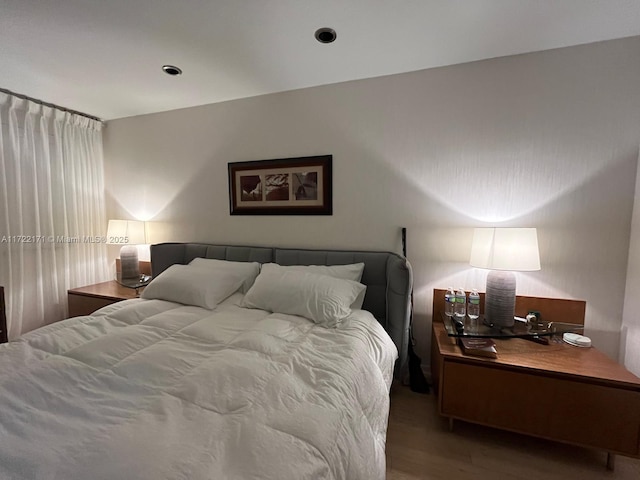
503 251
127 233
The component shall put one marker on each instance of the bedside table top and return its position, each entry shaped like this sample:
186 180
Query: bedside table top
555 358
107 290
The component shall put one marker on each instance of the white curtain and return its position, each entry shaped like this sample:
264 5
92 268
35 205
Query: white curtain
52 210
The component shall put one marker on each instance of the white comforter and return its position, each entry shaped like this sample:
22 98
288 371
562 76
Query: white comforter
148 389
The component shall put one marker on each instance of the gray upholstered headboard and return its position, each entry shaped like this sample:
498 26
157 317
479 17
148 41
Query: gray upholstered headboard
388 276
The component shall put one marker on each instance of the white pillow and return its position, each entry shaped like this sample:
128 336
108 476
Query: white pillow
248 270
351 271
191 285
320 298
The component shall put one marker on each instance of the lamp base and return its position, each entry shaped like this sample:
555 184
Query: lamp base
500 299
129 267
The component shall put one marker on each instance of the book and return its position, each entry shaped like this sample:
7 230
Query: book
479 347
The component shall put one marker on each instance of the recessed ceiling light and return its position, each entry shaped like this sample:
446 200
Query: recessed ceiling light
171 70
326 35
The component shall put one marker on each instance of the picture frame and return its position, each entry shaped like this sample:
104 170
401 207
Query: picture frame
284 186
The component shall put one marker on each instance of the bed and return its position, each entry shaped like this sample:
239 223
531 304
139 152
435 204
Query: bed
165 387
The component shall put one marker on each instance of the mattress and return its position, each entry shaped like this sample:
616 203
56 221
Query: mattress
150 389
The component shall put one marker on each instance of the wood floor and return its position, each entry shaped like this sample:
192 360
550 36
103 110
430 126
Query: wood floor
420 446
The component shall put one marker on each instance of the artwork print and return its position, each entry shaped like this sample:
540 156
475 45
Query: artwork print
289 186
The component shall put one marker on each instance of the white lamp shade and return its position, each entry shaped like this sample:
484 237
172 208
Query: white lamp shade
123 232
513 249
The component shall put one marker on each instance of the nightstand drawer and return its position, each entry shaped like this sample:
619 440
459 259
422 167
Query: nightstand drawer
83 305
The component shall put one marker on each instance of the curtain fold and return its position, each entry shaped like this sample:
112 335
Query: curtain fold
52 218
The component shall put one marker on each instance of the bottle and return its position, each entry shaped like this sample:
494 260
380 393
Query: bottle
449 301
473 308
460 308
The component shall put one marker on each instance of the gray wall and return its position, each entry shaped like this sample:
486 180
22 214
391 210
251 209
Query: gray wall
547 139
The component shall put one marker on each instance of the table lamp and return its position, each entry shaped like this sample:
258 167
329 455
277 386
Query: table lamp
127 233
503 251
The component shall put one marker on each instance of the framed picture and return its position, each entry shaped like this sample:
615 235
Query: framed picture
286 186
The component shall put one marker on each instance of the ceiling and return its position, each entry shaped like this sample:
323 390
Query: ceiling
104 57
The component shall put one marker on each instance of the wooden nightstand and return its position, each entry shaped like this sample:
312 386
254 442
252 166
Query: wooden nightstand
86 300
556 391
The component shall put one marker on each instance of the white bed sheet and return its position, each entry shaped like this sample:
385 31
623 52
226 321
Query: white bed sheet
149 389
